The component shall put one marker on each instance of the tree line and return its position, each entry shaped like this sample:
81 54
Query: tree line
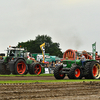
33 46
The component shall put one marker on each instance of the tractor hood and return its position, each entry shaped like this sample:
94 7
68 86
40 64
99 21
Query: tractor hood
68 63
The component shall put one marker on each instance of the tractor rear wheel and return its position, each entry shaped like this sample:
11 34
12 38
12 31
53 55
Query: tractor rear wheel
35 68
92 70
20 67
5 70
75 73
57 72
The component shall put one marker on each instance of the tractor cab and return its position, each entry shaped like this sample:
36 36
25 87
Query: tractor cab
16 52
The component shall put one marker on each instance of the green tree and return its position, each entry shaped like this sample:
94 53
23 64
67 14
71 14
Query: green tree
33 46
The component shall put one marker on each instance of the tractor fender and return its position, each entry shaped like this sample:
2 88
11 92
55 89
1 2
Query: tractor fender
11 64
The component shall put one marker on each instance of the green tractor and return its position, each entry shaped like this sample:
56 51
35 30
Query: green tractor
74 69
18 61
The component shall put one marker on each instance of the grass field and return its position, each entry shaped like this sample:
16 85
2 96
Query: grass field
11 75
37 81
34 81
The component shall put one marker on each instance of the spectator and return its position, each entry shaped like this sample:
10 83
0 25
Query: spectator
56 63
52 63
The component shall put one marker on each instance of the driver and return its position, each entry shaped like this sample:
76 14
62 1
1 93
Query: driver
83 59
12 53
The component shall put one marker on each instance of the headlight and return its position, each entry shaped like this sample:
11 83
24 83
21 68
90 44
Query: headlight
12 59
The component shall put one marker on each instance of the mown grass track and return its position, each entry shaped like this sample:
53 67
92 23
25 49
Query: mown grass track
37 78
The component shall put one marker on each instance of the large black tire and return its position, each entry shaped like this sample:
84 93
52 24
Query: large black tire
30 68
92 70
35 68
57 72
26 70
5 70
20 67
75 73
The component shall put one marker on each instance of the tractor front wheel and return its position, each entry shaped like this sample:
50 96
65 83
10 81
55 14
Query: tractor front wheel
75 73
57 72
37 68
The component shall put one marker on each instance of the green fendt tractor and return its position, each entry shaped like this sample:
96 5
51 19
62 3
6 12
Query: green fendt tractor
74 69
17 61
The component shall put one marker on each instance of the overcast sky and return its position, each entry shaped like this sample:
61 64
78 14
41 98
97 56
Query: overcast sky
75 24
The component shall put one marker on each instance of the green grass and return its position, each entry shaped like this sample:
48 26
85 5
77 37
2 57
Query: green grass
27 75
36 81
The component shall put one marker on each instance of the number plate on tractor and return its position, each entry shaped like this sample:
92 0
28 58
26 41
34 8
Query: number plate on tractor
64 65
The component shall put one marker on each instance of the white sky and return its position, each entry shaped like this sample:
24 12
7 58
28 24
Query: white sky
75 24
